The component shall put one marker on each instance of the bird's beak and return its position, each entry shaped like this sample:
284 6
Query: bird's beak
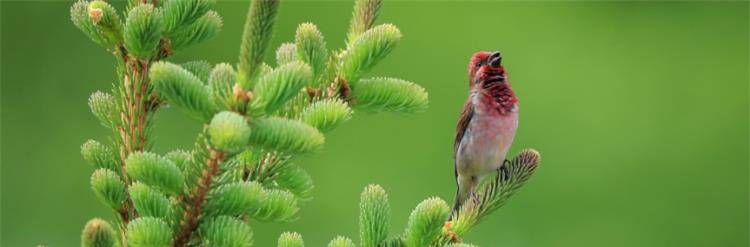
495 59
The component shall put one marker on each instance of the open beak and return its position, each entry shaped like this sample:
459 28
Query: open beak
495 59
494 77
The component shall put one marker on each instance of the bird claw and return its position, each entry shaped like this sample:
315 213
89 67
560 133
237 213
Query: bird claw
475 198
504 172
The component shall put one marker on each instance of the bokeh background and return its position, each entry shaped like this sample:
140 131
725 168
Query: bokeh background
640 111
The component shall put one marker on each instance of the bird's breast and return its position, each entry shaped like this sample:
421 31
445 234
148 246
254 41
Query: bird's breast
486 142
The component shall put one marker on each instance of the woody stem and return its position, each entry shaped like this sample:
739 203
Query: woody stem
195 201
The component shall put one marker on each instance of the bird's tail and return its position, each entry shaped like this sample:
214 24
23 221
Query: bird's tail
456 206
463 192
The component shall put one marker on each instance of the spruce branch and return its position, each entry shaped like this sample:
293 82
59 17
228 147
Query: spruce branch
104 107
311 48
203 29
290 239
279 86
228 132
99 21
155 170
257 120
286 53
327 114
226 231
374 216
151 202
262 166
285 135
235 198
255 38
367 50
183 89
496 192
79 15
279 206
389 94
137 103
148 232
108 187
98 233
195 164
365 13
425 222
295 180
221 81
137 41
180 158
143 29
341 241
195 200
99 155
181 13
427 225
107 22
398 241
199 68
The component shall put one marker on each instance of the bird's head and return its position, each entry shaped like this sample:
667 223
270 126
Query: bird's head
488 84
486 68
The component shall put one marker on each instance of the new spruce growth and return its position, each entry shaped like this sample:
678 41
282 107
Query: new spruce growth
258 118
429 223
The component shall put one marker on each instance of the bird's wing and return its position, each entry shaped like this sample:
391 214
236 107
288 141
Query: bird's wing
463 124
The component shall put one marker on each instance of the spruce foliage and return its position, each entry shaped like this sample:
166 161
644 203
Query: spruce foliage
257 119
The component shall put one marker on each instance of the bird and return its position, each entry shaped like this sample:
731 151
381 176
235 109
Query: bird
486 127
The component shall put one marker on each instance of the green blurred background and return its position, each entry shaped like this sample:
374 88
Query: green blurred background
640 111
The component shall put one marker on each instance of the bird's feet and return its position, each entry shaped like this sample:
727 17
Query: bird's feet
504 171
475 198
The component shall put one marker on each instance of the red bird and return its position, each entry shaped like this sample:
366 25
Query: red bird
487 125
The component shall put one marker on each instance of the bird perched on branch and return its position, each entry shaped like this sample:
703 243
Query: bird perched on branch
488 123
